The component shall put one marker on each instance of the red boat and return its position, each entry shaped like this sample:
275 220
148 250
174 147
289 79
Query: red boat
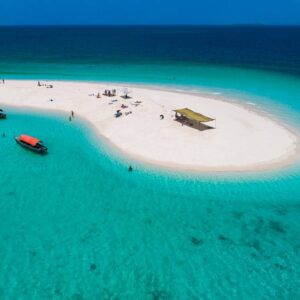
31 143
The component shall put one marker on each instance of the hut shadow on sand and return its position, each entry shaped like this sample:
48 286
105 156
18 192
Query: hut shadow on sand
199 126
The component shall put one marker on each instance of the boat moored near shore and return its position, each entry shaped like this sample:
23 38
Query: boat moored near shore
2 114
31 143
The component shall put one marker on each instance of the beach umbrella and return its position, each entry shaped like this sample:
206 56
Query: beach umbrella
126 92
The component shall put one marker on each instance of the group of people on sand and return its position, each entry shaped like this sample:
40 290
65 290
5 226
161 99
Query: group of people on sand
113 92
48 86
110 93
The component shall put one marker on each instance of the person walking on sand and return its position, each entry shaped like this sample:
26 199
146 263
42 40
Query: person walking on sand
72 113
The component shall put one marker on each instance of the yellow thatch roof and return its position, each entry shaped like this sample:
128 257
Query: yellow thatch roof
188 113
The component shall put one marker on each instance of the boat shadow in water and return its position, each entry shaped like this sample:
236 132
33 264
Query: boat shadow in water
35 152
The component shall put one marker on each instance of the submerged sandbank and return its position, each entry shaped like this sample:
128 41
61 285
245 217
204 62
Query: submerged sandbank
243 140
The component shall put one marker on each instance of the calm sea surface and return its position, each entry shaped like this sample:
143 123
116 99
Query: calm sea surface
76 225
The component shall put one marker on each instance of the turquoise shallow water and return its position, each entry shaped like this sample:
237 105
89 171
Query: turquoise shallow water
76 225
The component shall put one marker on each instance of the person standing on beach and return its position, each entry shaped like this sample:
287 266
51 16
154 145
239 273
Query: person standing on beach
72 113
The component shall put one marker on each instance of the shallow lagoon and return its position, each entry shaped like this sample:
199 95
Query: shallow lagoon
75 224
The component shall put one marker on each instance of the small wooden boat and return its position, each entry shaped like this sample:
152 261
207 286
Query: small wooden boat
2 114
31 143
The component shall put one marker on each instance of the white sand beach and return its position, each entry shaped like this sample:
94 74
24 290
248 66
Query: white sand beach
243 139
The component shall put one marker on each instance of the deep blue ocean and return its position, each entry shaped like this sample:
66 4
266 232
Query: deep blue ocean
76 225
